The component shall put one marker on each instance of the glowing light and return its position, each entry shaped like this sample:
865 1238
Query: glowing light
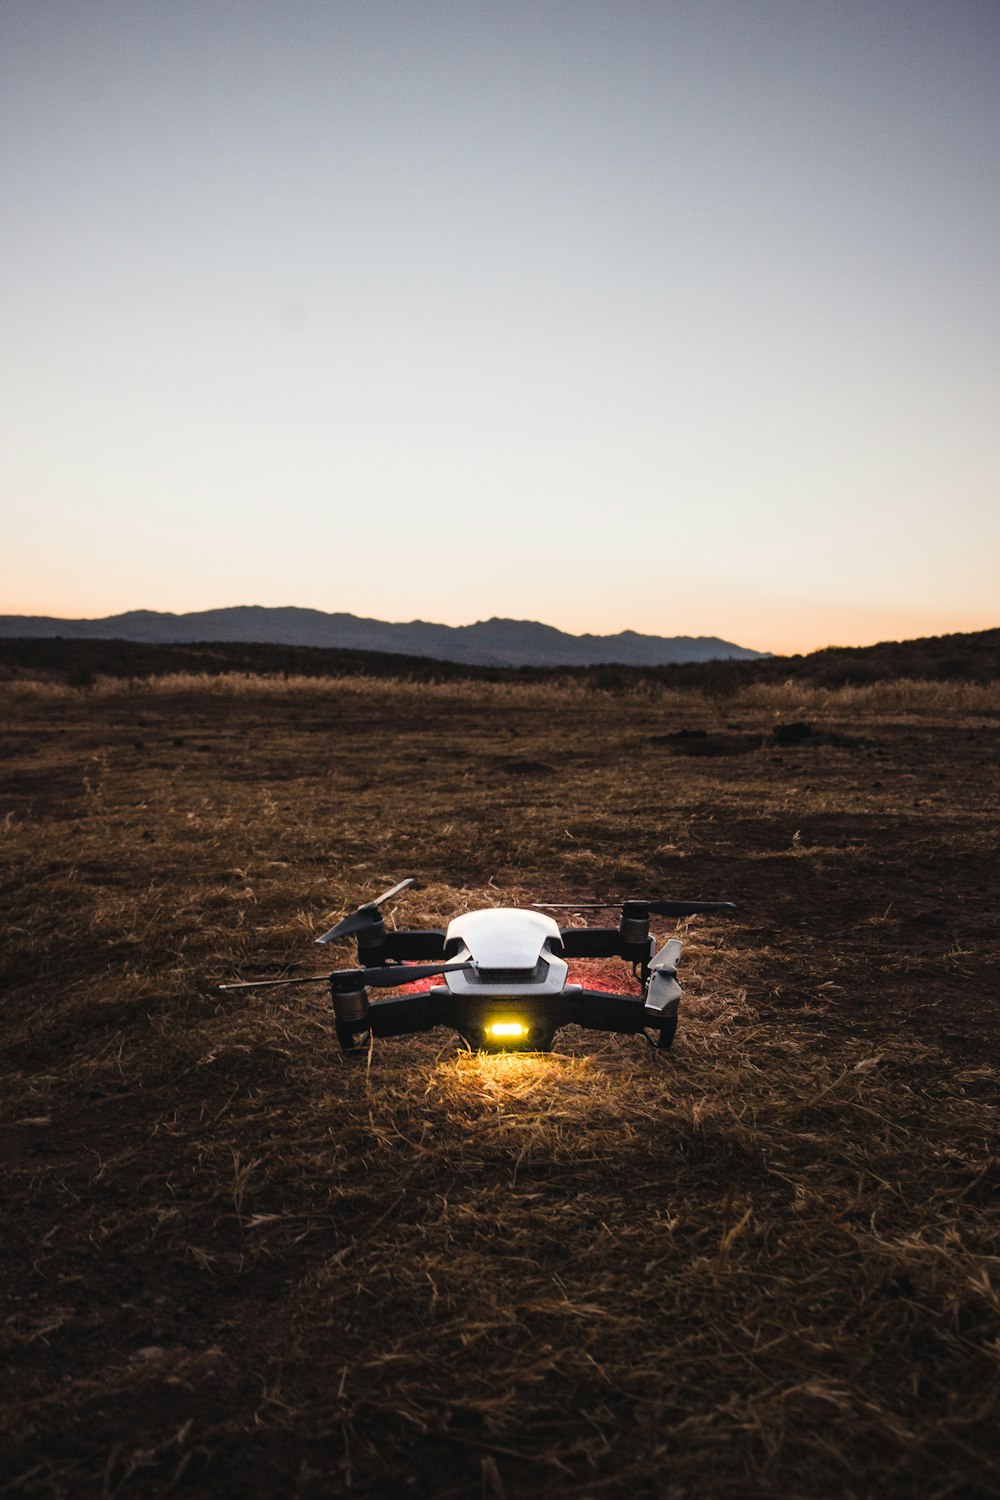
507 1029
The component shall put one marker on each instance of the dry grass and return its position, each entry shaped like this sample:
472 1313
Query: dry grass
893 697
764 1264
900 696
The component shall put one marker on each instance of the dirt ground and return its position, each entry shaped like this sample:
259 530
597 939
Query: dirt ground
236 1263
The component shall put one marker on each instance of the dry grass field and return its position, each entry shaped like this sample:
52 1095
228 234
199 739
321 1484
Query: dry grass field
236 1264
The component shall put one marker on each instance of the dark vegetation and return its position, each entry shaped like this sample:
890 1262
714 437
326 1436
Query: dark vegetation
236 1264
970 657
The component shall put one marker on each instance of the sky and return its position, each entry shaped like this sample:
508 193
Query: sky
679 316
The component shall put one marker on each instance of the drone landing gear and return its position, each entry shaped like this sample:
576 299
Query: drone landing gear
662 1037
352 1043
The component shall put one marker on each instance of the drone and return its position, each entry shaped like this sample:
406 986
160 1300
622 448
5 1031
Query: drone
505 972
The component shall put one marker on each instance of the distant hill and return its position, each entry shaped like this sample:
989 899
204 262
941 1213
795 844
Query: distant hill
972 657
489 643
967 656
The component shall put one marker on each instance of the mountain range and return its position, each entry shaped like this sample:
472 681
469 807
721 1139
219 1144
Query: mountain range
490 643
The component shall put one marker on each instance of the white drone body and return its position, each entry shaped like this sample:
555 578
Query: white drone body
503 942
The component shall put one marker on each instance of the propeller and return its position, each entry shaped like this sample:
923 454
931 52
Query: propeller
663 986
680 908
367 915
639 906
666 961
575 905
379 977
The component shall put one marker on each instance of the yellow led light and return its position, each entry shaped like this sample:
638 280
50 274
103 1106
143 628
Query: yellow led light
507 1028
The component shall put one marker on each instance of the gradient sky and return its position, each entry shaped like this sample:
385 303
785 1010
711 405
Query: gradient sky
683 317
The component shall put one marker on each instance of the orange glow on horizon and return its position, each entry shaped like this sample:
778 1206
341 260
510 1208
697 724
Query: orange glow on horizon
781 626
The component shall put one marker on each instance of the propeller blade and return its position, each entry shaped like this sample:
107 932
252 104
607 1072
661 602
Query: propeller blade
260 984
403 885
663 991
576 905
666 961
639 903
390 976
358 921
682 908
366 915
379 977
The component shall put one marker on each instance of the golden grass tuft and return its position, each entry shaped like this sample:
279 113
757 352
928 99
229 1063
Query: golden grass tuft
789 699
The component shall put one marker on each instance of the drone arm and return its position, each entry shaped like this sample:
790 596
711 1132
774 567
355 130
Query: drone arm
395 1015
603 1012
604 942
625 1013
590 942
402 1015
410 945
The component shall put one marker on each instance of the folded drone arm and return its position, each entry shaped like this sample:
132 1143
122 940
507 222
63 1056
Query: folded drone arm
409 945
604 942
599 1011
402 1015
